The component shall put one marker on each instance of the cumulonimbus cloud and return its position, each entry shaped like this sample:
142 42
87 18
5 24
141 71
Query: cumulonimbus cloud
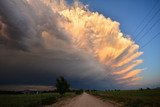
82 44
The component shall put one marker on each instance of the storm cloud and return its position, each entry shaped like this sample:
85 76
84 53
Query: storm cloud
43 39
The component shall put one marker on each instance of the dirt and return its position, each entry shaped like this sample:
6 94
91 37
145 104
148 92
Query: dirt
84 100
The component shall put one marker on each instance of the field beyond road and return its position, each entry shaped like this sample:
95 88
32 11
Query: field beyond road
131 98
30 100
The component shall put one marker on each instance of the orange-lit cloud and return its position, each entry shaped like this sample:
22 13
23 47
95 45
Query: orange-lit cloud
99 36
85 44
131 74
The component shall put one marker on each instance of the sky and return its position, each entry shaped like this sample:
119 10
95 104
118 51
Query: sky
95 46
131 14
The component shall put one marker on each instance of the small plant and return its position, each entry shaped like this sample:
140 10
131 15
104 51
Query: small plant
78 92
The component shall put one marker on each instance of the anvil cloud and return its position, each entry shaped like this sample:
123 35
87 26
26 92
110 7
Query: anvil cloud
41 39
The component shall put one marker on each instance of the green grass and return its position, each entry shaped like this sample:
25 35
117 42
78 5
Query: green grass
132 98
30 100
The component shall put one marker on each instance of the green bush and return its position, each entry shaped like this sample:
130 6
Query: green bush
78 92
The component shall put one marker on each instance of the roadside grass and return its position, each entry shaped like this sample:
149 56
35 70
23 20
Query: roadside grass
30 100
132 98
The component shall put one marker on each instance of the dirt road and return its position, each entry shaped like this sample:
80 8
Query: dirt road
84 100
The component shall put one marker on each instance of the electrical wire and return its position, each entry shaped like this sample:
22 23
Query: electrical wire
146 16
150 40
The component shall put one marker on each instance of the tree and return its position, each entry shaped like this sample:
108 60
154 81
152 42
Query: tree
148 88
62 85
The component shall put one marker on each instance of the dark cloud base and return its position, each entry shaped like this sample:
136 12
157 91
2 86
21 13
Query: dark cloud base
25 59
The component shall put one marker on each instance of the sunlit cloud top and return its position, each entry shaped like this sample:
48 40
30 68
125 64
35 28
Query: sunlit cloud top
89 41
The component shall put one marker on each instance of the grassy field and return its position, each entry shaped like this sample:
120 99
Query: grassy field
29 100
132 98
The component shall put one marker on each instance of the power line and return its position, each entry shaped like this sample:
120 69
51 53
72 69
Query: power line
141 37
150 40
145 17
148 22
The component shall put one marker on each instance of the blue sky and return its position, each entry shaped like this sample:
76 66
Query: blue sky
130 14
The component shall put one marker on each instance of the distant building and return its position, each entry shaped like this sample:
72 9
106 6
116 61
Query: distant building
31 91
